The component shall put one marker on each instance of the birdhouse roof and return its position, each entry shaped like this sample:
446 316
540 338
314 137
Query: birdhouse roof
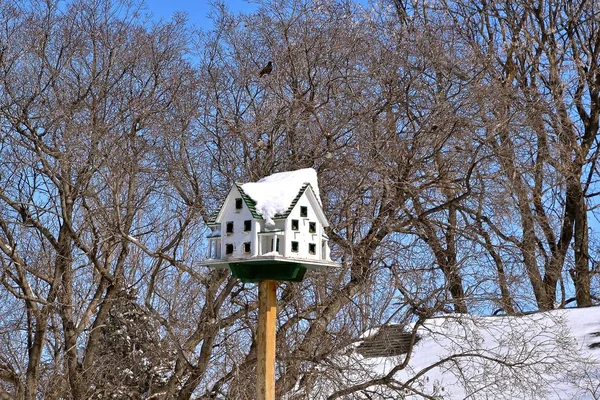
252 204
275 196
388 340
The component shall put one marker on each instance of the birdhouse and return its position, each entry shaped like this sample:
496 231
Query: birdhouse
272 229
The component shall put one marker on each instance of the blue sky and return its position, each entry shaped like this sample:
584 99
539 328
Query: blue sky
197 10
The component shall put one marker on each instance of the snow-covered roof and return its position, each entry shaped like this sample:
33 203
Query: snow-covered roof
385 341
277 193
275 196
550 355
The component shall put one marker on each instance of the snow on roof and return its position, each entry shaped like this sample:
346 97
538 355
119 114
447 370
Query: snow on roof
274 194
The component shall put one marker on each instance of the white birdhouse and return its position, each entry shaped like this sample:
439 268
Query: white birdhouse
271 229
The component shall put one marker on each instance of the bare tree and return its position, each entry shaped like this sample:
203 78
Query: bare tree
455 146
542 68
355 100
85 95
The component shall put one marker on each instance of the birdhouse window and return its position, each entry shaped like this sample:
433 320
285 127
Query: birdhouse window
247 225
294 247
246 247
312 248
229 228
312 227
229 249
303 211
295 225
238 204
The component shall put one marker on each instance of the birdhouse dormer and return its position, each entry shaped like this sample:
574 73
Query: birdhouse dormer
276 222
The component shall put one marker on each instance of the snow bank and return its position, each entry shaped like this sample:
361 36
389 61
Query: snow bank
550 355
271 253
274 194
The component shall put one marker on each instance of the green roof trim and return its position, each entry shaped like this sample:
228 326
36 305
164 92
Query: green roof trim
213 217
293 203
251 204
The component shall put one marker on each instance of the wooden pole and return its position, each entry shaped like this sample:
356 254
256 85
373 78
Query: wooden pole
267 316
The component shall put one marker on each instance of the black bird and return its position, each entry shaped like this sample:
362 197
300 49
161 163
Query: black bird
266 70
23 212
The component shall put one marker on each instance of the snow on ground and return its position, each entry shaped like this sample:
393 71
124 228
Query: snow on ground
274 194
538 356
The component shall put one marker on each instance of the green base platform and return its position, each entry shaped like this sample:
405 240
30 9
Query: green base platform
270 268
249 271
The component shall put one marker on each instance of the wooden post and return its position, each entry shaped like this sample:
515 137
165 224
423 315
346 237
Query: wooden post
267 316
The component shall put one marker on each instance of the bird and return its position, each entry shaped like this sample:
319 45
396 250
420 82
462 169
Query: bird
266 69
23 212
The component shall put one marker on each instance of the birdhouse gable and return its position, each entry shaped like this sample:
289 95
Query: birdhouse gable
236 203
306 206
311 208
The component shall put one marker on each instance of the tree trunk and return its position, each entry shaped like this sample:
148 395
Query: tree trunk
582 271
34 359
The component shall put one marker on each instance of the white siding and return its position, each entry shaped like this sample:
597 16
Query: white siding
230 214
302 235
263 243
